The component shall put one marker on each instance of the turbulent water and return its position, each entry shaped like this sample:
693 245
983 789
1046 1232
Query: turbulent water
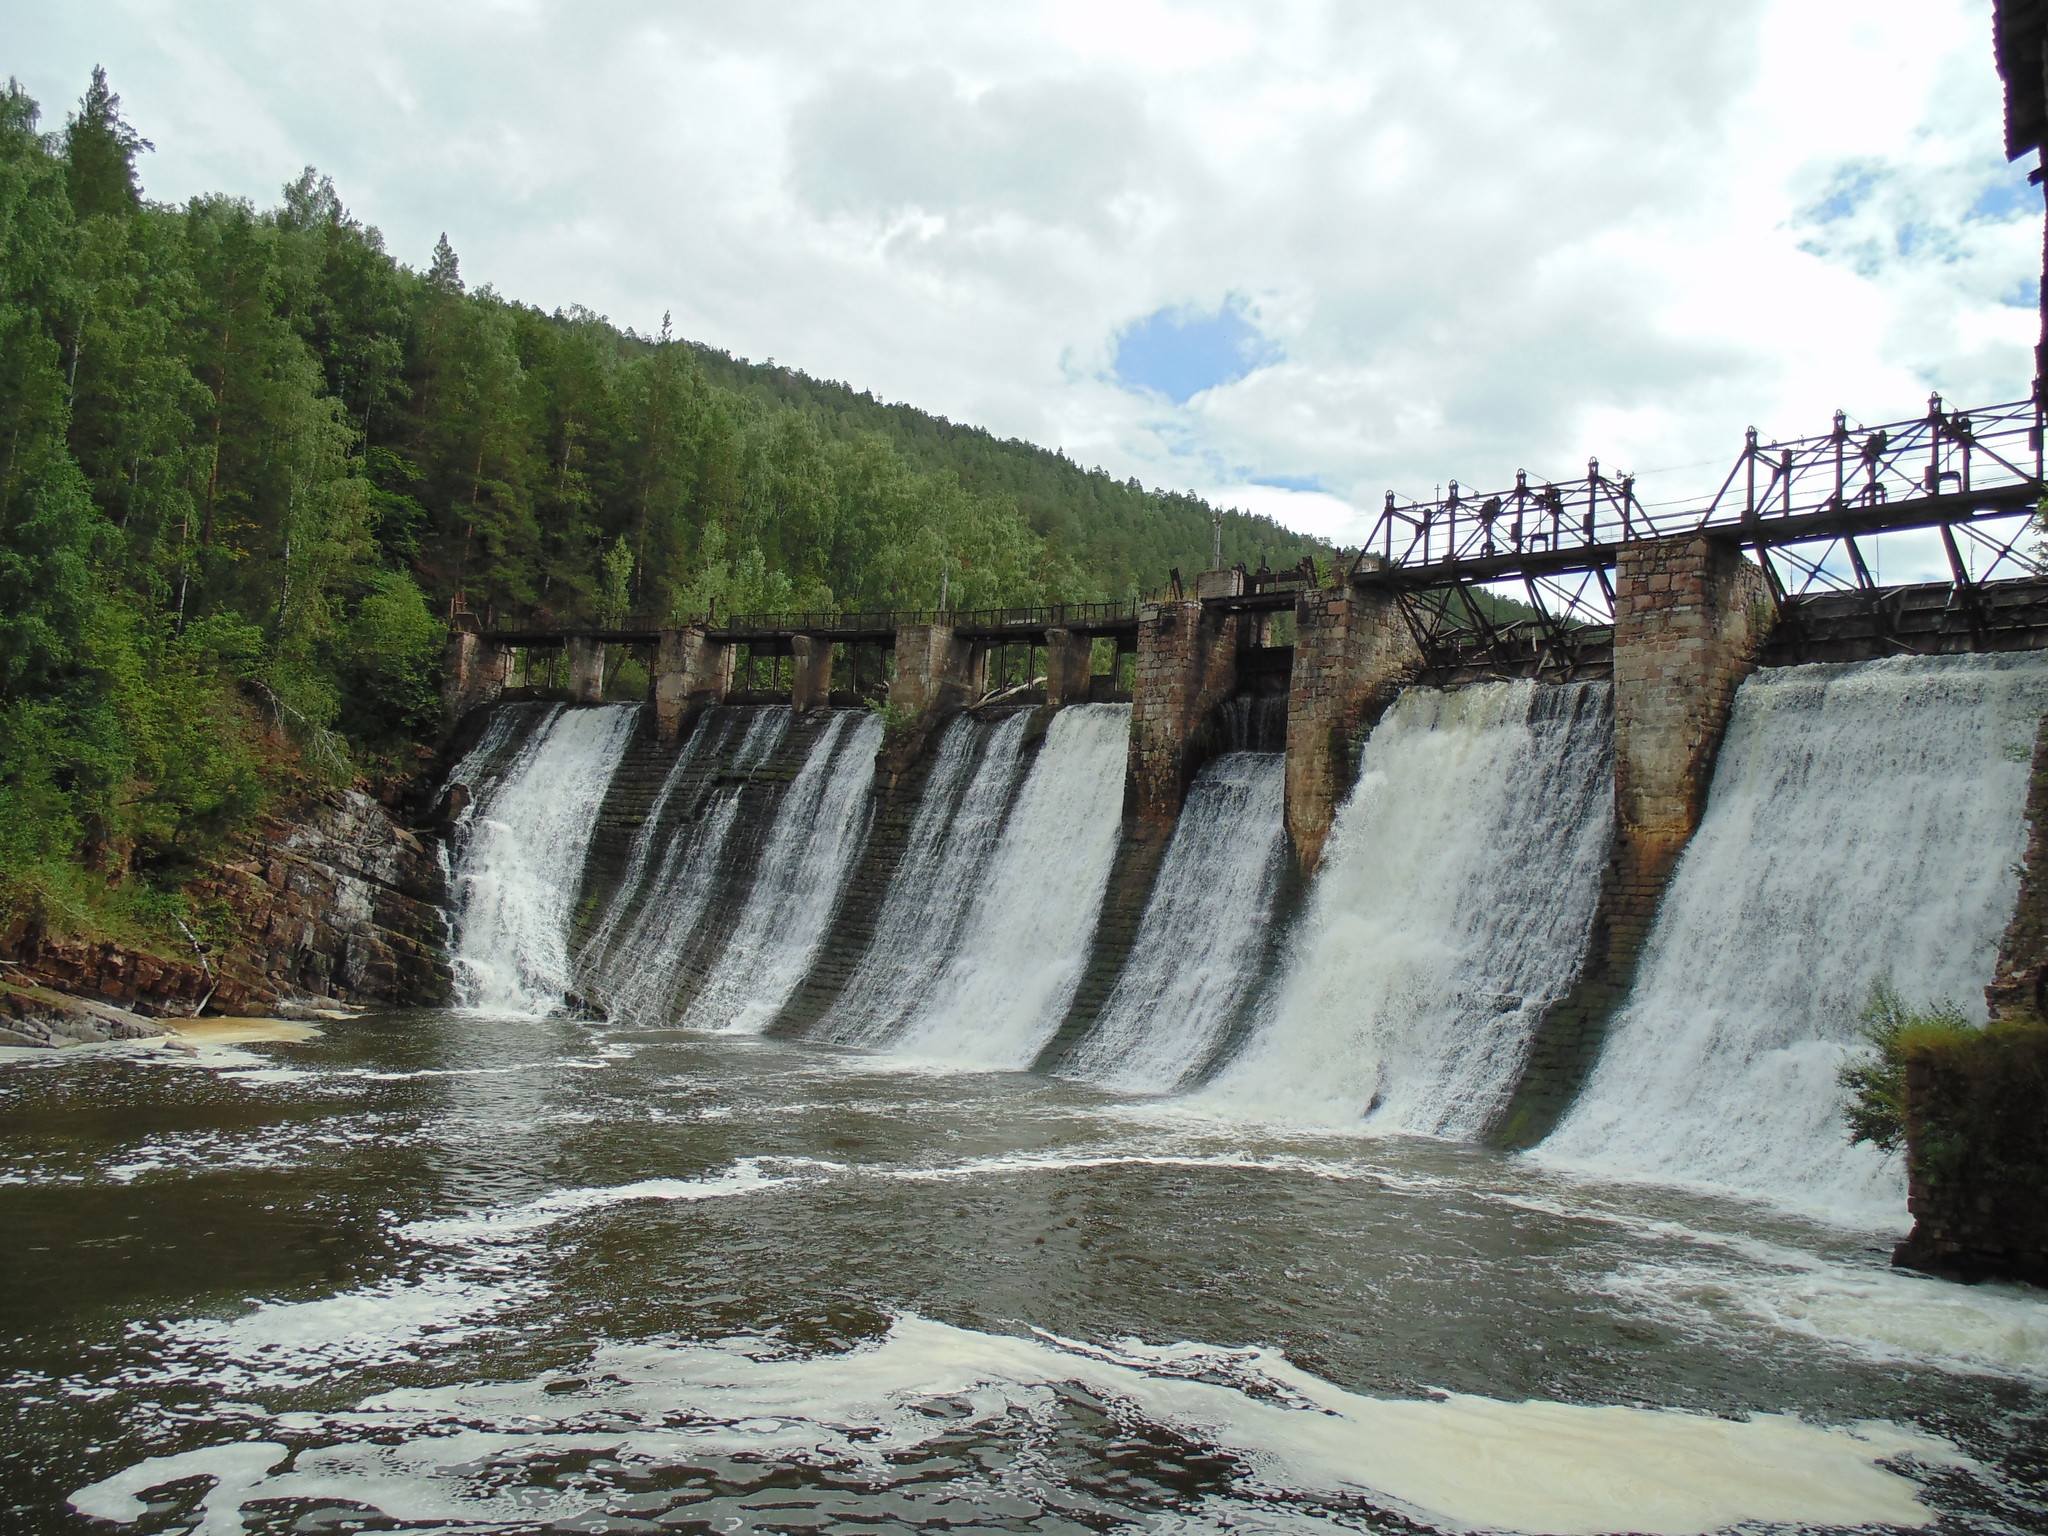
520 852
1204 932
455 1273
1864 825
1025 940
1452 908
818 828
951 840
502 1269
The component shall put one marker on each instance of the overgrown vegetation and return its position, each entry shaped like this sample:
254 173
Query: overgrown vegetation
250 458
1876 1083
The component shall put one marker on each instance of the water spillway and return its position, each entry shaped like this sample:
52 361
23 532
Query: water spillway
958 821
634 962
520 850
1863 825
1452 909
817 833
1024 941
1200 942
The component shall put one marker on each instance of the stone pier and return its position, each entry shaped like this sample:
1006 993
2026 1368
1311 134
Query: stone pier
691 672
1187 665
473 672
810 673
1690 615
586 669
937 675
1352 652
1069 661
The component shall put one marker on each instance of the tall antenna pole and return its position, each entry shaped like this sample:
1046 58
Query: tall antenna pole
1216 552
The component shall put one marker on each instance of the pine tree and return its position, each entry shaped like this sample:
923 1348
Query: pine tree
99 154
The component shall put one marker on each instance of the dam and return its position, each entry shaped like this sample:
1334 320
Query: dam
1608 880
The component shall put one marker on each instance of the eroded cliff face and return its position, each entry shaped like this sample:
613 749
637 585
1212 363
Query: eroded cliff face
330 900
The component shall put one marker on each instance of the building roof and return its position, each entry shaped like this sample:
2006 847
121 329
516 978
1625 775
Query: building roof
2016 33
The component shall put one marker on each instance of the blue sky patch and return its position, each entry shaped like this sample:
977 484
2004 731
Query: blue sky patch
2007 198
1181 352
1849 190
1289 482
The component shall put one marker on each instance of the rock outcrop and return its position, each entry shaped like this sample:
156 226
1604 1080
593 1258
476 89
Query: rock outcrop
328 901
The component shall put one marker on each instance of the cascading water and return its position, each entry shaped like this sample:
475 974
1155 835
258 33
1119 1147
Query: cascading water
1863 825
651 919
1452 908
1198 945
520 851
623 903
947 855
818 830
1025 940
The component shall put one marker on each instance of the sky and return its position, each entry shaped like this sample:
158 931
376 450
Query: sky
1288 254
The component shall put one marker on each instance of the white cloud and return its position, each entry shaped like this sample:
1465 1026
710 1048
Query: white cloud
1481 237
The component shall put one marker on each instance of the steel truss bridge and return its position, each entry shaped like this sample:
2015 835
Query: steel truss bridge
1800 506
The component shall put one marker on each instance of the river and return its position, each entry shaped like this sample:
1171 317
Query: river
447 1270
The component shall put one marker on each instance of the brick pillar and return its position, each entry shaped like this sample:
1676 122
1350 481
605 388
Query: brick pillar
473 671
690 671
1187 665
586 669
1352 651
810 673
1069 659
1690 615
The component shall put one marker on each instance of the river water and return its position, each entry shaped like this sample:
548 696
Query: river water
455 1271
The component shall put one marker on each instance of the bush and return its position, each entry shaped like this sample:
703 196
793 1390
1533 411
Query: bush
1876 1084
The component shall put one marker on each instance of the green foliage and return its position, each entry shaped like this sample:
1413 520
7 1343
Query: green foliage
1876 1083
249 460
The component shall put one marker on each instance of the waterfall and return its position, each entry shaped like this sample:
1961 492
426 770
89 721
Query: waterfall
649 936
819 827
946 856
519 857
1025 939
1452 908
1863 824
1199 942
622 904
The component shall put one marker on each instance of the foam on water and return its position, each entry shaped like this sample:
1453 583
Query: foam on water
520 851
453 1453
1199 944
1863 824
947 854
819 827
1025 940
1451 910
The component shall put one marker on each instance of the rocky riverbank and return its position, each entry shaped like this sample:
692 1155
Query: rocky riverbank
330 901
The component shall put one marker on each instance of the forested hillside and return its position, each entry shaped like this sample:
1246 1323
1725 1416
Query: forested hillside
250 458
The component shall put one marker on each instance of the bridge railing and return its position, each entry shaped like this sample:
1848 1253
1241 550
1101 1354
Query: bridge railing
1941 453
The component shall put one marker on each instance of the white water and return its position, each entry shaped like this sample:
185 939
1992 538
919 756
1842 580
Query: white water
1863 824
521 847
1452 908
819 827
948 852
1198 946
621 904
1025 941
636 976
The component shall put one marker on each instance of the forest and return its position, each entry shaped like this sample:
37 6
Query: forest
251 459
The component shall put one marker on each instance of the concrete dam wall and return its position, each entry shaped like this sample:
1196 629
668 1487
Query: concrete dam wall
1627 921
